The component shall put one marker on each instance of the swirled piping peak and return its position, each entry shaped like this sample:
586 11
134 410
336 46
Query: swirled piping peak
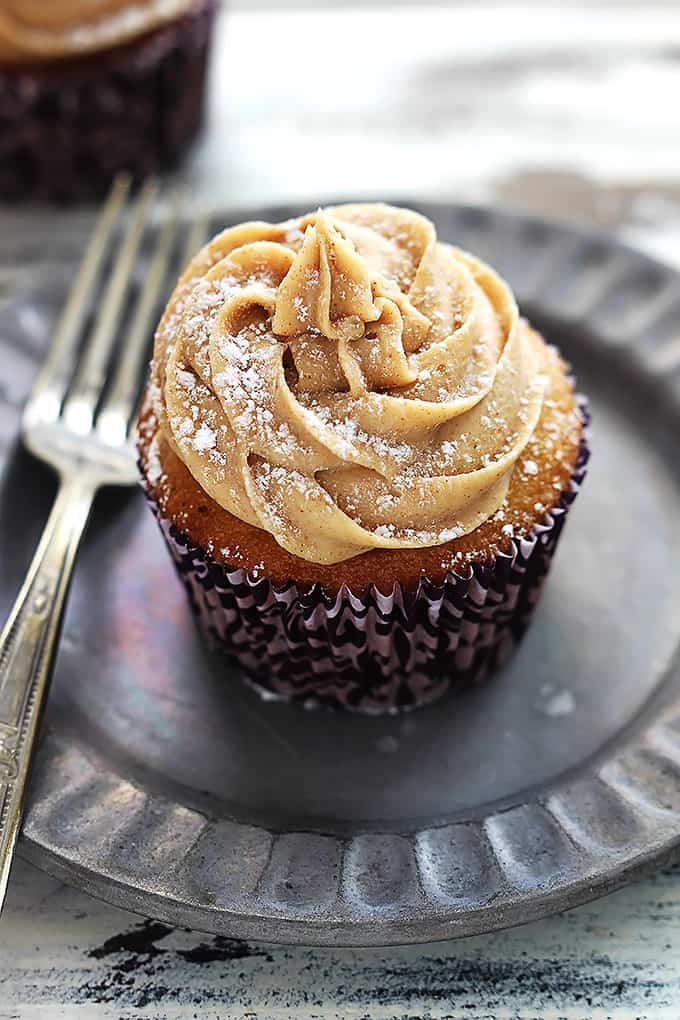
346 381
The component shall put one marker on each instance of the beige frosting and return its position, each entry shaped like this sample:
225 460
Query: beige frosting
41 30
345 381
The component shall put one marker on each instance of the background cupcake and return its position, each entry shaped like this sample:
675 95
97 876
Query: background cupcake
359 454
91 87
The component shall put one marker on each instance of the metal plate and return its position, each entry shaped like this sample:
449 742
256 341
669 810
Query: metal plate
165 786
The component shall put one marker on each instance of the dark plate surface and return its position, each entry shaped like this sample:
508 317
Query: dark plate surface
165 786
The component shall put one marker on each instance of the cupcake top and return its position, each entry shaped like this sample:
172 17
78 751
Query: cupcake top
347 382
33 31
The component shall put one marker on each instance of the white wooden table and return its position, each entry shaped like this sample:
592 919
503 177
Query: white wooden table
65 955
571 113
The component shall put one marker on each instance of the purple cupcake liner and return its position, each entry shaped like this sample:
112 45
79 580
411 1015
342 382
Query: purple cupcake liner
67 128
373 653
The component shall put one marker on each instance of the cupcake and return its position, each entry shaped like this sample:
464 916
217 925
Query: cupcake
91 87
359 454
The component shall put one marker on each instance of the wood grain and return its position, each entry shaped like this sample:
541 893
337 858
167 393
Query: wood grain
617 959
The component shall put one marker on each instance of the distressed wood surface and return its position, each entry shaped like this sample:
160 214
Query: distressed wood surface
618 958
565 111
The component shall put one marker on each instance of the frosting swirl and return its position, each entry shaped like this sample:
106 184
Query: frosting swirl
43 30
347 382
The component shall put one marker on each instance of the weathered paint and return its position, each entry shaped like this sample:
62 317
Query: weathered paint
64 954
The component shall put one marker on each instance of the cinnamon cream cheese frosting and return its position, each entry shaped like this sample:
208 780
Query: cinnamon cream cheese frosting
346 382
32 31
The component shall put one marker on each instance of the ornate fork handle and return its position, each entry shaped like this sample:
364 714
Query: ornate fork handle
27 649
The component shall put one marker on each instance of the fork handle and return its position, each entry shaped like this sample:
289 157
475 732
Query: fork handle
27 651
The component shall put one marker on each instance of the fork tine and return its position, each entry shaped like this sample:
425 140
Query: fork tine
91 375
195 238
53 379
115 418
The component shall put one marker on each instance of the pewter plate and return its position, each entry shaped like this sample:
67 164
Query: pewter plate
165 786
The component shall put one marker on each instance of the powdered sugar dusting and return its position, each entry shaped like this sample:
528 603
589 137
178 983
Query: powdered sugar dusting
204 438
378 375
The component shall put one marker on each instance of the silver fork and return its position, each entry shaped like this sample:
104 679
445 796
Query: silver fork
82 428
